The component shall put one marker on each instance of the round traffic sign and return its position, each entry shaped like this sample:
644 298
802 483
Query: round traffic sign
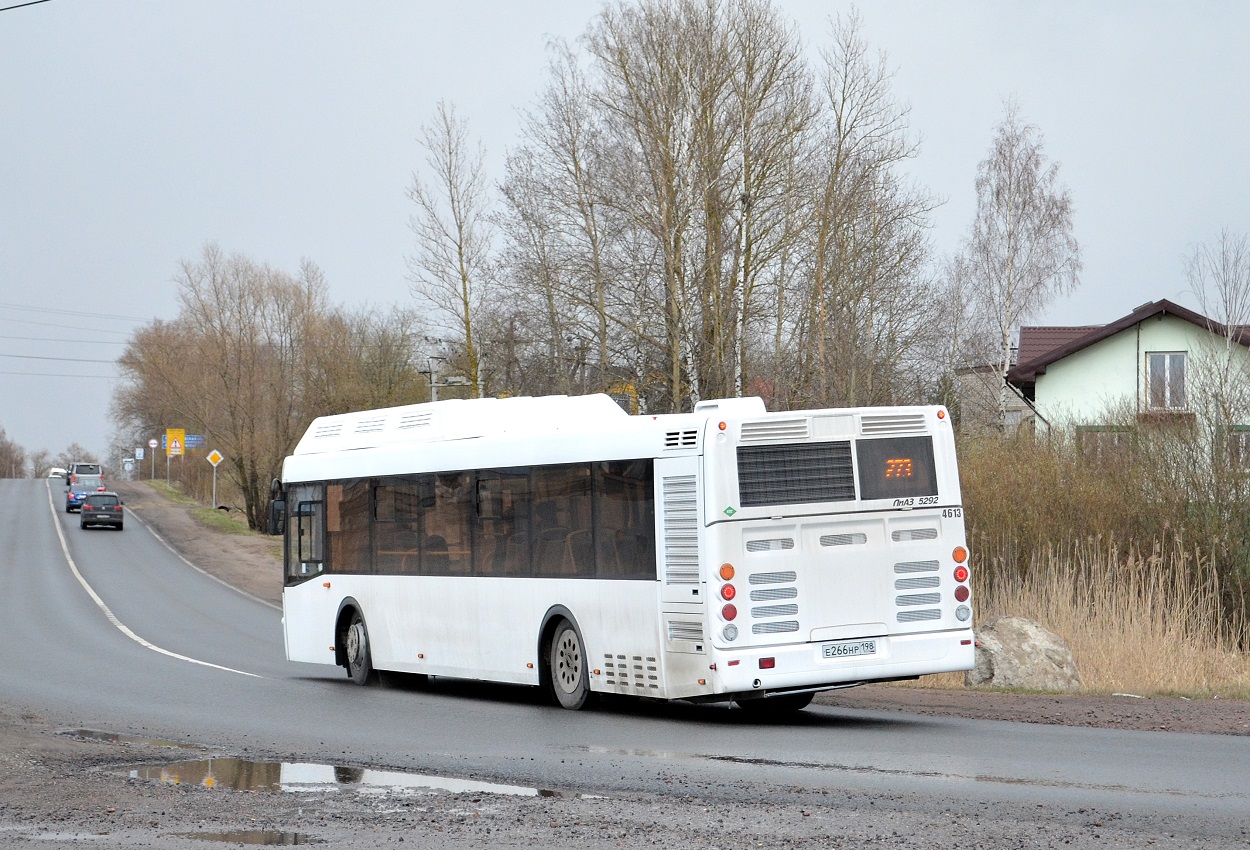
152 443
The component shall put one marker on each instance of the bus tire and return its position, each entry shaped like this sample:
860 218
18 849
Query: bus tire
775 706
355 640
567 666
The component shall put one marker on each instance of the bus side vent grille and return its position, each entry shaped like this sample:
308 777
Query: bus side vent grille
415 420
843 539
681 530
906 534
783 577
770 593
905 423
917 599
917 582
371 425
329 430
770 545
916 567
685 630
774 430
775 627
761 611
913 616
681 439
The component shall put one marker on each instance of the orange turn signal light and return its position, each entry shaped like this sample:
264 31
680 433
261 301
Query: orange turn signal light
960 554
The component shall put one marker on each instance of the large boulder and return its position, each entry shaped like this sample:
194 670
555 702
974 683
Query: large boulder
1013 652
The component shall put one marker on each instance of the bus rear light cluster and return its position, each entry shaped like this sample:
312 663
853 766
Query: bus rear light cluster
728 611
962 592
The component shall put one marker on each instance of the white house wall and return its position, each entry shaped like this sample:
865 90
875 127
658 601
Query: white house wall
1084 387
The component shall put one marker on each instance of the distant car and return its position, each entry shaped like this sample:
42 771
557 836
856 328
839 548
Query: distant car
81 468
79 488
57 472
101 508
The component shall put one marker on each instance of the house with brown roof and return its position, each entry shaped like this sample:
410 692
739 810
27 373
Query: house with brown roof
1158 363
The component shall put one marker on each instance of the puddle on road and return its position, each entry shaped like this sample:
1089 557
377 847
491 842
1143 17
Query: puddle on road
306 777
267 837
114 738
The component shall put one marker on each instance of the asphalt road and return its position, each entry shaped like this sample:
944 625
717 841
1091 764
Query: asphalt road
111 631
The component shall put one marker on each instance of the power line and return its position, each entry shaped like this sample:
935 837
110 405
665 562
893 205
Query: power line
20 5
63 312
60 341
58 375
65 359
61 326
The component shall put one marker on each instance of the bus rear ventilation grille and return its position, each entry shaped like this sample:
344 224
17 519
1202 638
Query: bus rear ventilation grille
906 423
775 628
774 430
913 616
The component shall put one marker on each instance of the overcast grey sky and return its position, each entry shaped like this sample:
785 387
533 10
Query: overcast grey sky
132 133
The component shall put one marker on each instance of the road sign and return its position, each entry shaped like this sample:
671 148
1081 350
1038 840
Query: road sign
194 441
139 453
175 440
152 443
214 457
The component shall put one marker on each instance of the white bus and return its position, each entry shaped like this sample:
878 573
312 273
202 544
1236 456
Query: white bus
724 554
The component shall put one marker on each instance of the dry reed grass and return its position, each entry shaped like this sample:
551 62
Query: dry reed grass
1152 616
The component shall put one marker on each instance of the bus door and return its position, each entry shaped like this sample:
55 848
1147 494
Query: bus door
308 606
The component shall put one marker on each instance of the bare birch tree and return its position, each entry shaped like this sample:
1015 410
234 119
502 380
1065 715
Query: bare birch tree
867 230
1219 383
451 266
1021 251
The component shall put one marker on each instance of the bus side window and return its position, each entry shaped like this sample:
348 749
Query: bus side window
625 519
446 549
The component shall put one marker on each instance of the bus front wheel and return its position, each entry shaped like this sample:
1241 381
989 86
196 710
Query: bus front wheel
567 667
356 648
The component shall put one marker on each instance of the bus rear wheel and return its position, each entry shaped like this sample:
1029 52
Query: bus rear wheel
566 666
355 640
775 706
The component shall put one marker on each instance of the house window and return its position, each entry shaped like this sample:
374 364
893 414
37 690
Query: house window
1104 442
1239 447
1165 380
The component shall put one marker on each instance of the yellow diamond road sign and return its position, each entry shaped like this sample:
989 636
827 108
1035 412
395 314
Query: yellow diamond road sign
214 457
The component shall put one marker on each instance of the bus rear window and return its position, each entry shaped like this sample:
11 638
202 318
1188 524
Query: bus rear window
896 468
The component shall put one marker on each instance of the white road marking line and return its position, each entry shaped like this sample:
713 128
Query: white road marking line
112 618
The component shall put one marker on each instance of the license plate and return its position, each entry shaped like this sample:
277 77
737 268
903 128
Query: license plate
847 648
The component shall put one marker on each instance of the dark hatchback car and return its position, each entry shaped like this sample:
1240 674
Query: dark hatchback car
101 508
79 487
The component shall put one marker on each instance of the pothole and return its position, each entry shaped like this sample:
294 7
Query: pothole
308 777
114 738
267 837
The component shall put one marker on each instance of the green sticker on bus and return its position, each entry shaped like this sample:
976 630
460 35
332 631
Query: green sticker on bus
730 511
